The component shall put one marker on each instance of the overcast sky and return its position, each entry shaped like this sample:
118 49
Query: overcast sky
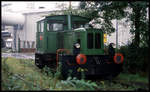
50 5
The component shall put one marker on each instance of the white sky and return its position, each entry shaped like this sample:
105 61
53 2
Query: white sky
49 5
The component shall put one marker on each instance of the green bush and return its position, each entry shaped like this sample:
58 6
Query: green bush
135 59
35 79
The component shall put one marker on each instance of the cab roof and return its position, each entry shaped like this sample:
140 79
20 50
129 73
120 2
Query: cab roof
73 17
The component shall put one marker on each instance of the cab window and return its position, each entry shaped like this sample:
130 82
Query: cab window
42 26
55 26
49 27
39 27
79 25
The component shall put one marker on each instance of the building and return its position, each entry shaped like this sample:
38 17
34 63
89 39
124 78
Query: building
6 36
23 28
26 38
24 32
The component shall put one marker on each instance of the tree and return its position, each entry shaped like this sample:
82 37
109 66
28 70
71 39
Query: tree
103 12
139 25
109 10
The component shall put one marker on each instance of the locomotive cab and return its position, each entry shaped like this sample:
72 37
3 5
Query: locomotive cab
67 39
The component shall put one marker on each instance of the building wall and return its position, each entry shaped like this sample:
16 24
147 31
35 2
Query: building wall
124 36
28 34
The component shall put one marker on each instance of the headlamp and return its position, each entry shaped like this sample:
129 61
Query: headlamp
77 45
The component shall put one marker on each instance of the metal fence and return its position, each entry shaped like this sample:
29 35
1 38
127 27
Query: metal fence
26 46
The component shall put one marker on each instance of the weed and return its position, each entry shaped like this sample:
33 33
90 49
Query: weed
79 84
24 75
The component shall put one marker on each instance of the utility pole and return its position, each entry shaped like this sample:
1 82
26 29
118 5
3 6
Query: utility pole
69 16
69 4
116 34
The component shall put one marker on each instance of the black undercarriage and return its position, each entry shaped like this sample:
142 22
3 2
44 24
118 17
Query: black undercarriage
97 66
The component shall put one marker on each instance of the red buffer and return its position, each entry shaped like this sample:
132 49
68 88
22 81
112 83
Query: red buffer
81 59
118 58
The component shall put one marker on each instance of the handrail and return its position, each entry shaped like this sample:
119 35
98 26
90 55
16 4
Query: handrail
57 52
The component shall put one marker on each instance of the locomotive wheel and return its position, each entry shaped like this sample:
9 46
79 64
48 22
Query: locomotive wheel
39 63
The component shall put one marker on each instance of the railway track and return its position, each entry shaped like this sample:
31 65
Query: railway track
20 55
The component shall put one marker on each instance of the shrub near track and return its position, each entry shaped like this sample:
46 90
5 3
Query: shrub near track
22 74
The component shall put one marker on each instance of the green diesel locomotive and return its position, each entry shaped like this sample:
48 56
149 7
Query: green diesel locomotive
69 41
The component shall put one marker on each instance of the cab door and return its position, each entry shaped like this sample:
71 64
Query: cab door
39 36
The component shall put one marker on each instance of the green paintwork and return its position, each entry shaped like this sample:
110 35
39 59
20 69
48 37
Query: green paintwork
53 40
83 37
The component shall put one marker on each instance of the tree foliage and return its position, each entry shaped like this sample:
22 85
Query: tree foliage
103 12
106 11
139 23
135 12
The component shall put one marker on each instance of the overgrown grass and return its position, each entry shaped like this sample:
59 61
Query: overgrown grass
14 68
133 77
19 74
22 74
